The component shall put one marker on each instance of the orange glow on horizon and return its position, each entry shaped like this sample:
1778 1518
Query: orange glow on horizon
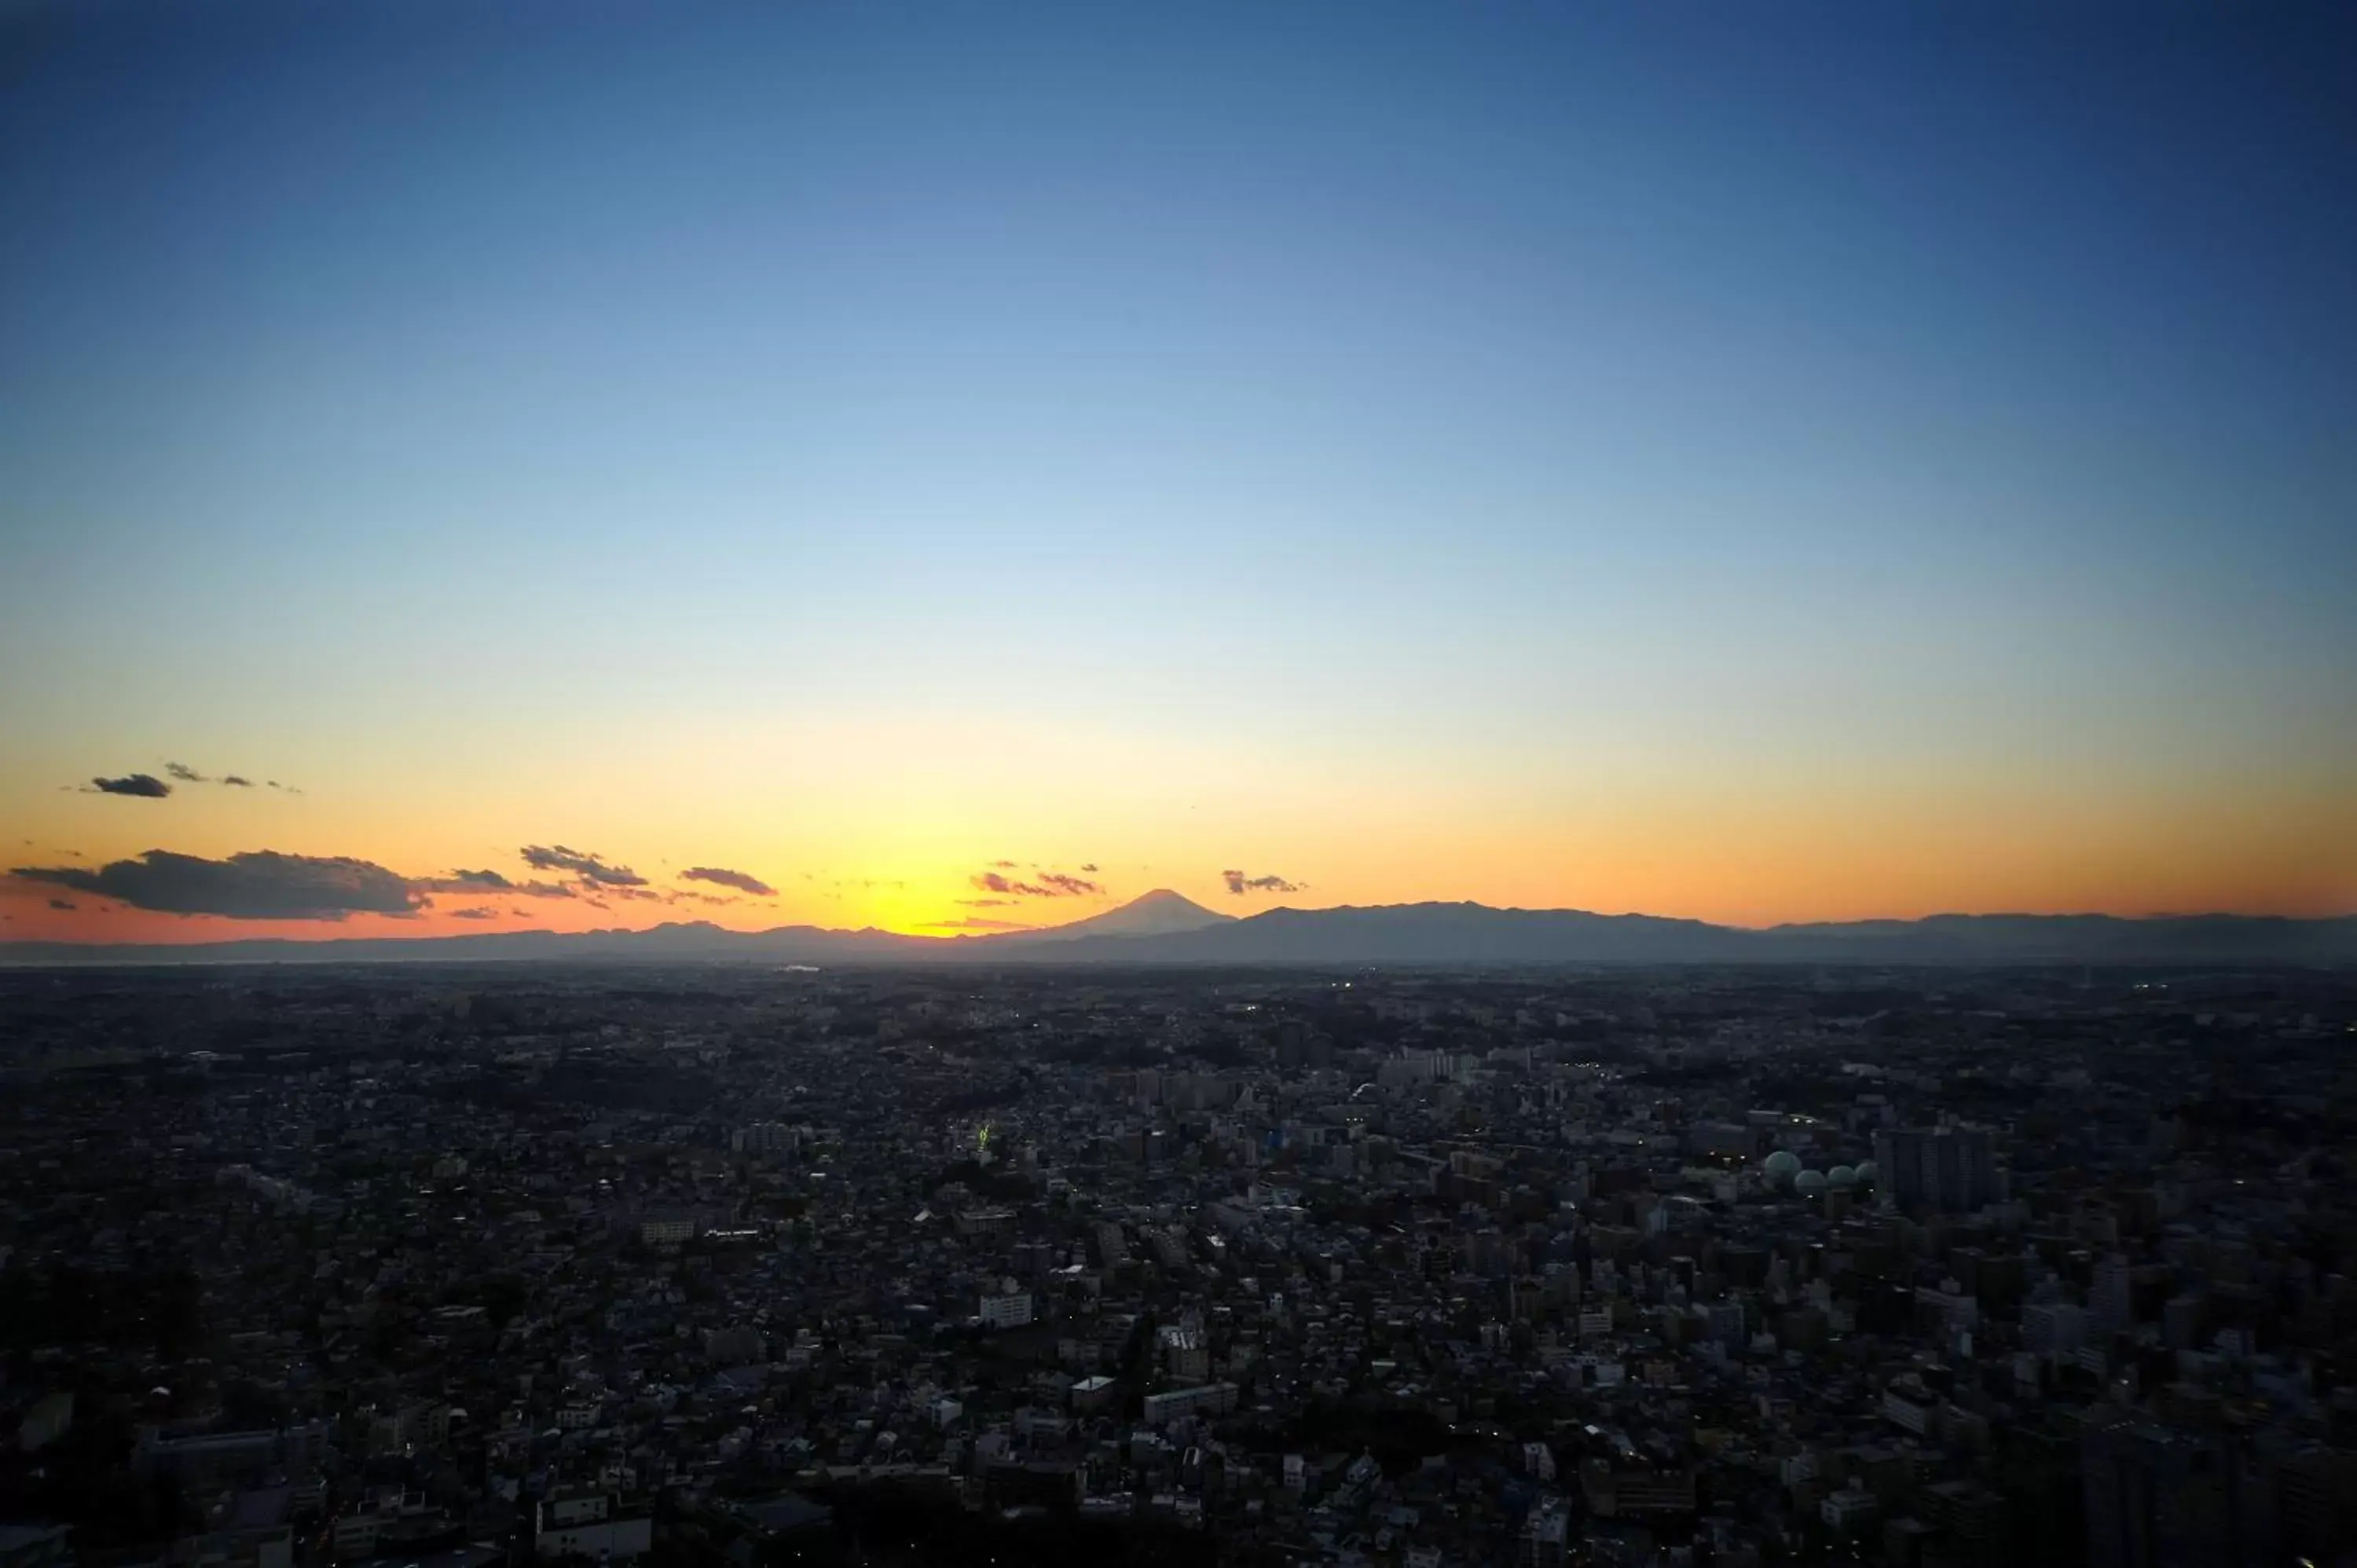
896 838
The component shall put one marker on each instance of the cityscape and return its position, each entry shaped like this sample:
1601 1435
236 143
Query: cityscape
466 1265
1213 783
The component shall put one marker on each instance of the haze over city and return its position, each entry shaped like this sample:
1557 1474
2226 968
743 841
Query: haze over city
781 466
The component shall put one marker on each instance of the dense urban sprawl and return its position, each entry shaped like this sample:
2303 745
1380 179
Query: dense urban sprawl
438 1267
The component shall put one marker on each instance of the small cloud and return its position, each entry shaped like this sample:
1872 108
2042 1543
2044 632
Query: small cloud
1089 867
721 876
187 775
479 881
987 903
976 923
145 786
1051 885
581 863
1239 884
464 881
480 912
63 904
259 884
1004 864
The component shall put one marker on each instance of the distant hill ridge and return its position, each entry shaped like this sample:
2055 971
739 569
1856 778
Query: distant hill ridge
1163 927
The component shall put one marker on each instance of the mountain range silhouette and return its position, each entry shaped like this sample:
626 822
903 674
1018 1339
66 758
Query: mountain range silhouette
1164 927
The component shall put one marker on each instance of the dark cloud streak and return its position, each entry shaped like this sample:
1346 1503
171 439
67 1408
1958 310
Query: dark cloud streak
144 786
1051 885
477 882
187 775
723 876
589 867
259 884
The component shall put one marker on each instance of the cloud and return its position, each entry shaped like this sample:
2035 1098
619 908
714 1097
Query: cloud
1239 884
988 903
725 877
480 882
1089 867
187 775
1004 864
63 904
1051 885
976 923
288 788
582 863
259 884
480 912
147 786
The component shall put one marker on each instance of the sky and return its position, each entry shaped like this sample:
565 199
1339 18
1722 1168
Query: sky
1755 464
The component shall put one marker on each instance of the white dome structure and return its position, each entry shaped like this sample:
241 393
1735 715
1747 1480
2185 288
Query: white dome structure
1866 1173
1842 1176
1781 1165
1809 1184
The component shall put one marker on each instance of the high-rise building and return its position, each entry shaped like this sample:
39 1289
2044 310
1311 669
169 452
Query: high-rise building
1952 1169
2167 1496
2053 1328
2111 1295
2315 1491
1007 1307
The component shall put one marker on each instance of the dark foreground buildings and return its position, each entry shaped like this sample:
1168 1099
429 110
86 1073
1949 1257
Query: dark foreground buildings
465 1267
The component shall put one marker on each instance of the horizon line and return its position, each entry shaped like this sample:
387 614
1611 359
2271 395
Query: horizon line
964 939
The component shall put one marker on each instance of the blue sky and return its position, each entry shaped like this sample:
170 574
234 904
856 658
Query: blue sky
1503 404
